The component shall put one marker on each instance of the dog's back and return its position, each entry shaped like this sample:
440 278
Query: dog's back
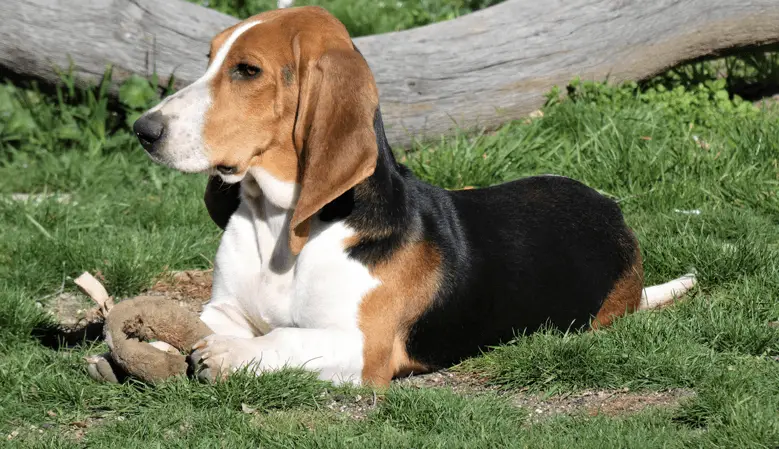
541 250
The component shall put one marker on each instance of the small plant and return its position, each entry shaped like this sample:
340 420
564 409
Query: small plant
137 94
74 117
697 104
35 124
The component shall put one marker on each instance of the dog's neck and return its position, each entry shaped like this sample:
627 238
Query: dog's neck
378 208
380 197
271 203
260 185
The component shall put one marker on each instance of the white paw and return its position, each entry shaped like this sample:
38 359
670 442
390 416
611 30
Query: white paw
216 356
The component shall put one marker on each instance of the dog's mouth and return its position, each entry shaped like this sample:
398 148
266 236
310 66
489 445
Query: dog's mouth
156 158
145 143
227 169
190 164
230 174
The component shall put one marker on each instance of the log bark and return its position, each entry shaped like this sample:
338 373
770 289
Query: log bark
479 70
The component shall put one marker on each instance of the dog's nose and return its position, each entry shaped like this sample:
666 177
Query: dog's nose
149 129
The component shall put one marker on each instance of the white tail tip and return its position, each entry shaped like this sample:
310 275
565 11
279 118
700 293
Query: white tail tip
661 295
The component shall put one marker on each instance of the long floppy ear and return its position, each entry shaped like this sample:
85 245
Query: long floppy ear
334 134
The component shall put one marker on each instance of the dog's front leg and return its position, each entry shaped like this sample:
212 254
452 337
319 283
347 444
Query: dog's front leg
335 354
224 318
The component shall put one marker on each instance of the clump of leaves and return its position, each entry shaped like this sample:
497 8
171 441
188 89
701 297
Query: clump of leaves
697 93
137 94
34 123
697 104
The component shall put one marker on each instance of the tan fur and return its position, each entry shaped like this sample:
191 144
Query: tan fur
335 129
409 282
243 124
307 119
625 297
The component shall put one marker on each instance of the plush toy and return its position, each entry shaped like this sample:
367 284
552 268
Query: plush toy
131 327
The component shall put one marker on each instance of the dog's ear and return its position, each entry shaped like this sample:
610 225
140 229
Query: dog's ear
221 200
334 134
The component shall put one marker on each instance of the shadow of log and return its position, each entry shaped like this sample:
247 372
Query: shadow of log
755 91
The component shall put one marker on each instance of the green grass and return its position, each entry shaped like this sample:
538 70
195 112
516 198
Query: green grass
683 142
131 220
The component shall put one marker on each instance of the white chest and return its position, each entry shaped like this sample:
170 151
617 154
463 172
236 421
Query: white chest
261 283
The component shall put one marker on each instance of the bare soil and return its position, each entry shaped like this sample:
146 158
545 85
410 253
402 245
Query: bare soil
192 288
607 402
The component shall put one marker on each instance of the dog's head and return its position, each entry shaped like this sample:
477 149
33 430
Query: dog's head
285 91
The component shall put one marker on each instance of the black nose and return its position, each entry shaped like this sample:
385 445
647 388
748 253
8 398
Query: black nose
149 129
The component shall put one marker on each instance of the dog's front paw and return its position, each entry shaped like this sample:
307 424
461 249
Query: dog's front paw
216 356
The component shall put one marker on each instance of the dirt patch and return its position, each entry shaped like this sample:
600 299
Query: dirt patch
38 198
355 407
192 288
74 320
590 402
769 101
459 382
599 402
75 431
73 310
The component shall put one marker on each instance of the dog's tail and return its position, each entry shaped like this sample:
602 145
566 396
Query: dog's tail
658 296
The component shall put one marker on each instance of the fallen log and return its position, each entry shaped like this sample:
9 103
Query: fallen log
479 70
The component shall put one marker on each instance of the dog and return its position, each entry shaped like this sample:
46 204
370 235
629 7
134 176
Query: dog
335 258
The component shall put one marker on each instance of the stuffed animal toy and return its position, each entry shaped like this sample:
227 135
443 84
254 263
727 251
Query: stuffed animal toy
130 329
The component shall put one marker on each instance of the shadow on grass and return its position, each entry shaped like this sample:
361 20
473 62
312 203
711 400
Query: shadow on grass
53 336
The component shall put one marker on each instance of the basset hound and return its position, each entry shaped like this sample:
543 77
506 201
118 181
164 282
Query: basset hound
334 257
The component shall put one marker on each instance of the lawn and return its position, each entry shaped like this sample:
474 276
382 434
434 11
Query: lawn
694 168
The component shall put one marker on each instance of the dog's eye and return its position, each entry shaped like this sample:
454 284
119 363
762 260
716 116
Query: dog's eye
245 72
208 56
